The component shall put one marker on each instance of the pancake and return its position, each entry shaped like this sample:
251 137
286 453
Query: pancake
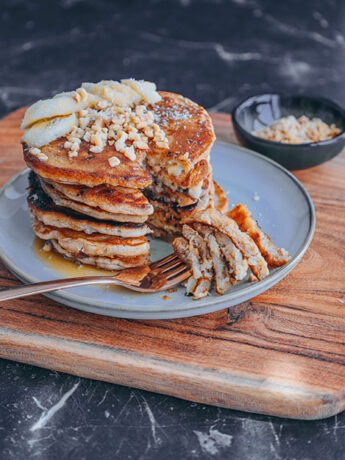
116 200
45 210
87 168
274 256
107 263
157 191
243 242
167 219
189 130
93 245
60 200
222 275
185 164
220 201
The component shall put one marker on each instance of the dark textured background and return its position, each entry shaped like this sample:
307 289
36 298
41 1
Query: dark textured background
215 52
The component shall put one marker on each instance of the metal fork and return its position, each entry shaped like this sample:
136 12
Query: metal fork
158 276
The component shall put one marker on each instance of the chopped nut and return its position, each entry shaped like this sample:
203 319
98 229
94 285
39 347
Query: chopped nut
47 247
38 154
34 151
129 153
113 161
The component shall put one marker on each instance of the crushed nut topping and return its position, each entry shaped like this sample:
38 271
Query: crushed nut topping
38 154
126 128
107 112
113 161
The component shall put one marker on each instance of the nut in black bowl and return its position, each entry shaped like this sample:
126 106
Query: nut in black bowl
257 112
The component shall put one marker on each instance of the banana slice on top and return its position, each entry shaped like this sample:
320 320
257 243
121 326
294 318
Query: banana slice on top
44 132
113 92
61 105
145 89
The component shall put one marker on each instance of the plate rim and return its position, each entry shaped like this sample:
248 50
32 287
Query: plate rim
208 302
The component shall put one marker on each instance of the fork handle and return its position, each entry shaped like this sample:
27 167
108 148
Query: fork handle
54 285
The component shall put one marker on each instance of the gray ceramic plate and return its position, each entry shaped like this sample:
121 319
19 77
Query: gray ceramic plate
276 198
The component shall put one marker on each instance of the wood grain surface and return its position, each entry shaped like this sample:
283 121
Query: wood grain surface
282 353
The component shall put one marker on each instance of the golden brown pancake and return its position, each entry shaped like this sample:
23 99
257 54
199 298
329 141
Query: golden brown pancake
167 219
274 256
179 197
107 263
92 245
61 200
220 201
116 200
88 168
190 133
189 130
45 210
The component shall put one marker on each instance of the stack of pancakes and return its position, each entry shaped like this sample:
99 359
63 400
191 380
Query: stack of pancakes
96 214
102 226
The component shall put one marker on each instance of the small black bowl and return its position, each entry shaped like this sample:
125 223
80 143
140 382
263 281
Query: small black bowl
259 111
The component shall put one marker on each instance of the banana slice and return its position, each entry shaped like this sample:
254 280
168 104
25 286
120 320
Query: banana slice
145 89
114 92
44 132
61 105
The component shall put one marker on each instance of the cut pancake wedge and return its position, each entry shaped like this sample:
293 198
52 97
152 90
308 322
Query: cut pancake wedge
274 256
222 276
240 239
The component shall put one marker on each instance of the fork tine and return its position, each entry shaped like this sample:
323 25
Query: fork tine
164 261
176 271
166 268
178 279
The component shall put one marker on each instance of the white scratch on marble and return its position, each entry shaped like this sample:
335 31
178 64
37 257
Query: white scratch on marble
105 394
154 424
296 32
32 442
47 415
275 435
225 55
335 428
320 19
294 70
213 441
229 56
38 404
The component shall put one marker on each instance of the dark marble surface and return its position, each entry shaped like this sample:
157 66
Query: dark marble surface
215 52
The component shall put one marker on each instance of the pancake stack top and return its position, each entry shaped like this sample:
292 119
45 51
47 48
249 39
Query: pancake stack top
112 162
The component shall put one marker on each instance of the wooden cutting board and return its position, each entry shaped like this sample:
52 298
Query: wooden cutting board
283 353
